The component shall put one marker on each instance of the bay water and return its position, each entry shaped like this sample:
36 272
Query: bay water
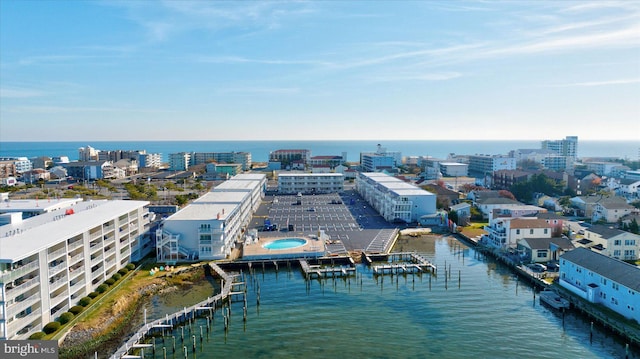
480 311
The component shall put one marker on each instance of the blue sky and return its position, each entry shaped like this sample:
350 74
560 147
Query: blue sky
217 70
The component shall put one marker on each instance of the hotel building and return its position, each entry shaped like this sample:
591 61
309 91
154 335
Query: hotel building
50 261
210 226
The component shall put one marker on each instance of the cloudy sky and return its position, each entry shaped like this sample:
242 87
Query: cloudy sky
297 70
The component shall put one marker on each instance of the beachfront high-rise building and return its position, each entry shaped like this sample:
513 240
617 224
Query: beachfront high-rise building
380 160
179 161
48 262
88 153
567 147
242 158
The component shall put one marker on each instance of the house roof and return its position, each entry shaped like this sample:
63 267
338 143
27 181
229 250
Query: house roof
549 215
496 200
459 206
545 243
519 223
605 232
611 268
615 203
628 181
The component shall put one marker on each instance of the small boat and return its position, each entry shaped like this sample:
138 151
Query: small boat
552 299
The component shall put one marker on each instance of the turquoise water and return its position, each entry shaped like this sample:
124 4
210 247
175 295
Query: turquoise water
480 311
285 243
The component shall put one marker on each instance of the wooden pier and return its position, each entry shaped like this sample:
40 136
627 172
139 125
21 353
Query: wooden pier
317 271
399 263
182 316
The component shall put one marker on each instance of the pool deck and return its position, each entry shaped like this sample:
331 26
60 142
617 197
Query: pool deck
314 248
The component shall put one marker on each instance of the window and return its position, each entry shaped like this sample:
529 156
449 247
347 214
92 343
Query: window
542 253
616 242
546 230
629 242
616 253
531 231
517 231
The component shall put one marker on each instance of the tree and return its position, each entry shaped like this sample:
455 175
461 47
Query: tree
633 227
453 216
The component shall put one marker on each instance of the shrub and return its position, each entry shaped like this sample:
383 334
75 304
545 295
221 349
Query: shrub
102 288
37 335
123 271
65 317
93 294
51 327
84 301
109 281
76 309
130 266
116 276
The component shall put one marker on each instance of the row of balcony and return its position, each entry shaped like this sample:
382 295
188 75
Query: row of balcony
19 272
23 287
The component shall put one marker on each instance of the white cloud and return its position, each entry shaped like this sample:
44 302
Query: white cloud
20 93
601 83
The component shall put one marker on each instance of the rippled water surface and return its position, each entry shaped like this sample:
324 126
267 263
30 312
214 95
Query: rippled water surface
480 311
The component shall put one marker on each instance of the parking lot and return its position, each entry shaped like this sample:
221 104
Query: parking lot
349 221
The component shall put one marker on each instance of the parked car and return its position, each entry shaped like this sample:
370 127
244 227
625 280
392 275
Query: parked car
537 267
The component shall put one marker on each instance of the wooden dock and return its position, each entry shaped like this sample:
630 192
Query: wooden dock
181 316
399 263
317 271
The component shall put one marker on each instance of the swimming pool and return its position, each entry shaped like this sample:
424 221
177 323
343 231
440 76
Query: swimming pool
285 243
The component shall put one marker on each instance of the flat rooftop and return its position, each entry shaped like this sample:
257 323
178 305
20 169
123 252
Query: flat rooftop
37 205
20 240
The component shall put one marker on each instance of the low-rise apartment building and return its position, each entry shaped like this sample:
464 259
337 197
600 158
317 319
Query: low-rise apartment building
602 280
210 226
395 199
309 183
50 261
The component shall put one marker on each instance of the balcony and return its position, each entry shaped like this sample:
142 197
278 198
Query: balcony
75 258
76 244
63 295
55 255
19 272
57 269
78 284
96 259
17 307
57 284
95 274
23 287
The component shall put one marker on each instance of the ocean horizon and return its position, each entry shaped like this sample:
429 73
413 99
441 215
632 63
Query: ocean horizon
260 149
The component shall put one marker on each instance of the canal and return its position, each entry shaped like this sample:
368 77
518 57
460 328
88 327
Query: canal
478 309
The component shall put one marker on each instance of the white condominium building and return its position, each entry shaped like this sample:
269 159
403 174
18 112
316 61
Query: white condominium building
50 261
308 183
395 199
209 227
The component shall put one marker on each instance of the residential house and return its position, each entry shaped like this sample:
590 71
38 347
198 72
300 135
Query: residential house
629 188
542 250
35 175
611 242
444 196
504 233
602 280
611 209
463 210
486 206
